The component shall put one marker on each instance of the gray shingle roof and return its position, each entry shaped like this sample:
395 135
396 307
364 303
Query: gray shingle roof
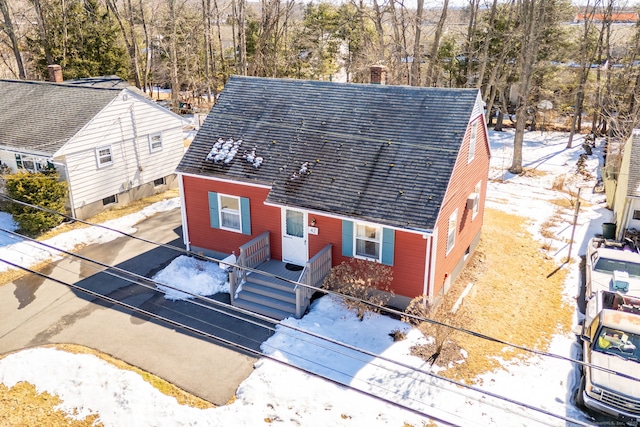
43 116
375 153
633 189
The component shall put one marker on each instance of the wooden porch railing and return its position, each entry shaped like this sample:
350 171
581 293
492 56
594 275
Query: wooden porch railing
313 274
252 254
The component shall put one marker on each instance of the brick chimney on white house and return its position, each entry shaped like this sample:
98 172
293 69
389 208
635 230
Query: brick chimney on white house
378 74
55 73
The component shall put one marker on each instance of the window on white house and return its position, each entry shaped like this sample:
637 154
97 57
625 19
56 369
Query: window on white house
155 141
110 200
368 240
103 156
636 214
33 163
229 212
451 232
159 181
472 141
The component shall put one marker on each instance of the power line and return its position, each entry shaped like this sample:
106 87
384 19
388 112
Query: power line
247 349
341 344
328 292
219 339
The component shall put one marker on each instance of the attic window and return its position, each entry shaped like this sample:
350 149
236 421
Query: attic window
472 141
103 156
155 142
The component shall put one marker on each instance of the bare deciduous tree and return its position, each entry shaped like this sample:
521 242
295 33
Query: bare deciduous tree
8 28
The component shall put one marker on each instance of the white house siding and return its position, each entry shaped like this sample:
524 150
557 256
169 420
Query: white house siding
124 126
634 205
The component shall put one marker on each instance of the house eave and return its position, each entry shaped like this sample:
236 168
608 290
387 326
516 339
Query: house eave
225 180
421 231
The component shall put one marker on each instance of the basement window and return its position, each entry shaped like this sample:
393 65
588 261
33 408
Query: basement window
636 214
159 181
110 200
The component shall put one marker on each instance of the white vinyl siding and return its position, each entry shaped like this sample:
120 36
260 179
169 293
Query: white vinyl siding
116 127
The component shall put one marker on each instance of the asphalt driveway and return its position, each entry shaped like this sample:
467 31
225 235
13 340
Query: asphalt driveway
36 311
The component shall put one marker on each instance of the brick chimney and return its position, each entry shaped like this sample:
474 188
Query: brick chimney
378 74
55 73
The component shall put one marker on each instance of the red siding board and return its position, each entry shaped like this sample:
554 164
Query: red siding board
410 262
463 180
201 234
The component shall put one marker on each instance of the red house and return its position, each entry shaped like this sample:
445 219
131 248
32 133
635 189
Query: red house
294 177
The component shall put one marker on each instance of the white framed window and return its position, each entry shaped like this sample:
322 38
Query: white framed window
155 141
472 141
451 231
104 156
33 163
636 214
229 212
368 241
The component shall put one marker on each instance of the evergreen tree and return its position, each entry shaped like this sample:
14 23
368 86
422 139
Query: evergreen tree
40 189
83 39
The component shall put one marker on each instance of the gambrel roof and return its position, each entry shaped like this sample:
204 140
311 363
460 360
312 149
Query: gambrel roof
41 117
374 153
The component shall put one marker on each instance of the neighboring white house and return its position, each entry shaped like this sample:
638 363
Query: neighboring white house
108 140
626 202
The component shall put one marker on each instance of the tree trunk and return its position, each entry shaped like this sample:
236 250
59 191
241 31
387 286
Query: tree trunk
128 36
434 68
173 55
484 58
42 31
583 74
399 49
147 43
15 46
532 13
414 76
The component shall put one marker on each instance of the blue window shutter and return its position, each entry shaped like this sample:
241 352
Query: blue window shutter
214 217
347 238
388 242
245 213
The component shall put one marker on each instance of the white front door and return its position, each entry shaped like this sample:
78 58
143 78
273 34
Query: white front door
294 237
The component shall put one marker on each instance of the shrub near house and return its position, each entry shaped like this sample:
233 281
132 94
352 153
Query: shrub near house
40 189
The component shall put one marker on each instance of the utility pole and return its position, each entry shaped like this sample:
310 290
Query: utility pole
575 220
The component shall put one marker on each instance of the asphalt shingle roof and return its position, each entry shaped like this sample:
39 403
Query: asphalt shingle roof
373 152
43 116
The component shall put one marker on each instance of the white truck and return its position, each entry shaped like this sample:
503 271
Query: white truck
612 266
610 336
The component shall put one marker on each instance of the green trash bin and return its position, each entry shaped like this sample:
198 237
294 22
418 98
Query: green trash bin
609 230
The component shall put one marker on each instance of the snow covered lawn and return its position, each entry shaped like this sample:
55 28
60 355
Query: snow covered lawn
275 393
